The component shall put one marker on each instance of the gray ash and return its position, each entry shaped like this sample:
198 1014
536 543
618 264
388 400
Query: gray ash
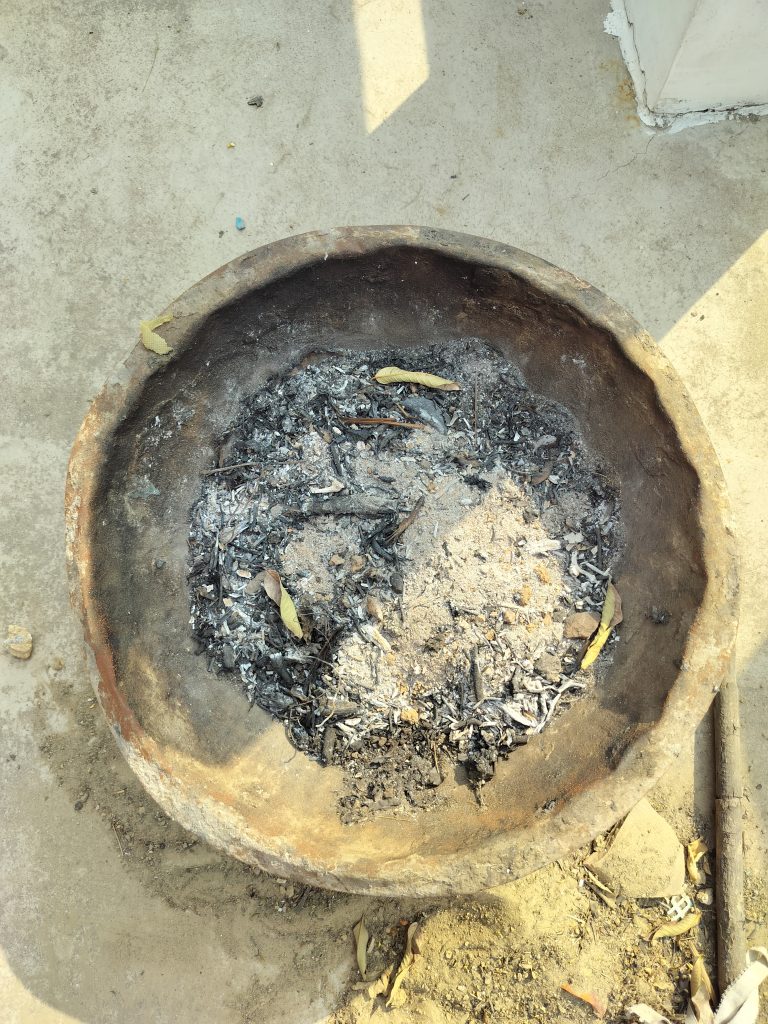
435 565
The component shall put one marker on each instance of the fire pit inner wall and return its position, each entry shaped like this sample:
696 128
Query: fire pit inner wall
230 774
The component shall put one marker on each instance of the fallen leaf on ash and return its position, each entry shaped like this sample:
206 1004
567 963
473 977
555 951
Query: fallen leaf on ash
255 584
605 627
586 997
374 609
394 375
396 997
373 636
693 853
360 934
546 469
333 488
672 928
152 341
276 592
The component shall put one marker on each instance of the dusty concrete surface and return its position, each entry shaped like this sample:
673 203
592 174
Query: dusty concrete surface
118 191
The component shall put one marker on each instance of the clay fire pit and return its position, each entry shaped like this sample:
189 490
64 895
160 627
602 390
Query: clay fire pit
232 777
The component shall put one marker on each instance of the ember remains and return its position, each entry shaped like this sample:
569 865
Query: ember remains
406 572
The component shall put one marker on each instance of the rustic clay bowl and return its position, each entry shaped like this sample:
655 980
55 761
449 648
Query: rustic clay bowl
231 776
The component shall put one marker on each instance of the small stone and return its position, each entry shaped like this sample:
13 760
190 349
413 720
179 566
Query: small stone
509 617
410 715
525 594
19 642
705 897
549 666
645 859
336 560
356 563
581 625
255 101
374 609
159 563
427 411
396 582
228 657
56 664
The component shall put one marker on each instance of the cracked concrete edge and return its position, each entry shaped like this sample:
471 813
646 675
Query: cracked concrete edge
618 24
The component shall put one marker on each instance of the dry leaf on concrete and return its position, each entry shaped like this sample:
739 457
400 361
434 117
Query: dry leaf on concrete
152 341
394 375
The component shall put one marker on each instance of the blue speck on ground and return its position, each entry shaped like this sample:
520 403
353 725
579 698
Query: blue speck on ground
239 223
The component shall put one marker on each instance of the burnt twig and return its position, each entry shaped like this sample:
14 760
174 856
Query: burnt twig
228 469
400 530
379 421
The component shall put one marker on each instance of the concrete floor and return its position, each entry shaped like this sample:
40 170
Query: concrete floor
119 190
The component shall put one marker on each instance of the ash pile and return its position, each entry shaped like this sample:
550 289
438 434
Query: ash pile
405 573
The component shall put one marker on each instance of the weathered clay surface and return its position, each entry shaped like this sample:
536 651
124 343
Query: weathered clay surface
134 471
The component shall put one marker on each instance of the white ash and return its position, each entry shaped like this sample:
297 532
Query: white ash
448 638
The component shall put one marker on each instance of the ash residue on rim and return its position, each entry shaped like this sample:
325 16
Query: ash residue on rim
437 545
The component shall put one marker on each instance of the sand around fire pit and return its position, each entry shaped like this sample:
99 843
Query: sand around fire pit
447 566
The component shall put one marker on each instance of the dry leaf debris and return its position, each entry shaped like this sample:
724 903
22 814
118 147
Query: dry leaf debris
150 339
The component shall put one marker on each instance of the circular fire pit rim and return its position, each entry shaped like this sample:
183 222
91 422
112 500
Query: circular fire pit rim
710 639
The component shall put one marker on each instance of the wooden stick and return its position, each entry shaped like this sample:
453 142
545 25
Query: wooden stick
379 421
729 838
226 469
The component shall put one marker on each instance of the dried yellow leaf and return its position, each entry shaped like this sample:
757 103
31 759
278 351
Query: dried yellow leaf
360 934
275 591
396 997
394 375
583 996
671 928
700 980
381 984
693 853
152 341
604 629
